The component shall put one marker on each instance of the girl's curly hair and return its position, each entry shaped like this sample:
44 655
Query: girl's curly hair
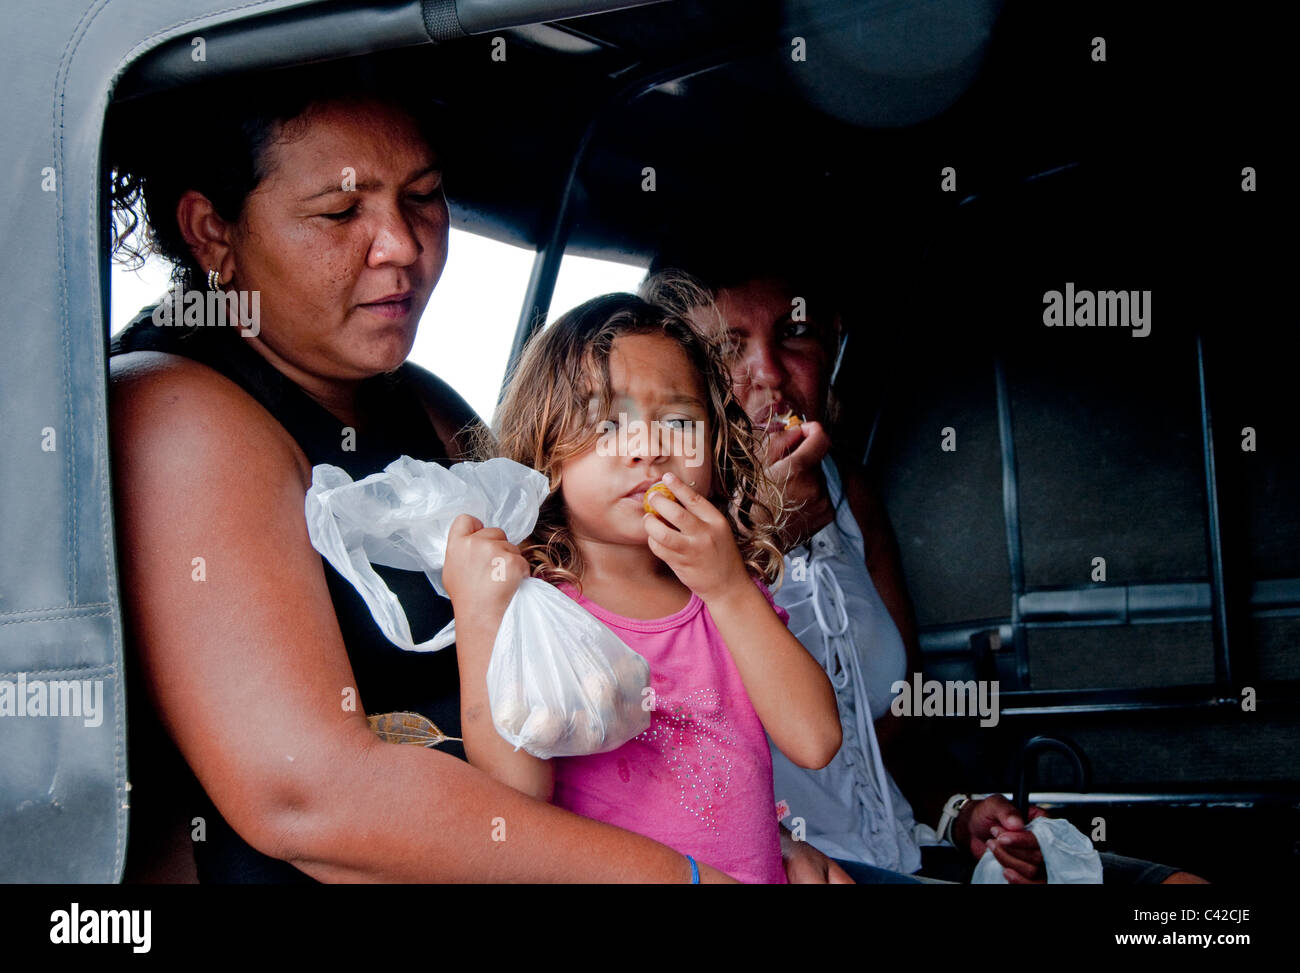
546 419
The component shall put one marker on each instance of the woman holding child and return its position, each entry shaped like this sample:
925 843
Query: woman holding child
262 664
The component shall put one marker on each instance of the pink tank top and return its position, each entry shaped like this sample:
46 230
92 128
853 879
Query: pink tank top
699 780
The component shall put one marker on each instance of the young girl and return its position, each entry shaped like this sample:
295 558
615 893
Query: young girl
613 398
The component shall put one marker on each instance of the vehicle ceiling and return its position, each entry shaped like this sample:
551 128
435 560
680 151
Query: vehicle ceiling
855 134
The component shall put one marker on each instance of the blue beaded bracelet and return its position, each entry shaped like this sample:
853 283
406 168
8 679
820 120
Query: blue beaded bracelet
695 871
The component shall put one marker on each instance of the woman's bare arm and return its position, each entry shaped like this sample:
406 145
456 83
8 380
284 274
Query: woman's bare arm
243 657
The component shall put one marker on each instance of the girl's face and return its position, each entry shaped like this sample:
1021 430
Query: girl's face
345 239
659 424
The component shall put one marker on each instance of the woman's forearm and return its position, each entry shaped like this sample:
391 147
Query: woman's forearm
399 813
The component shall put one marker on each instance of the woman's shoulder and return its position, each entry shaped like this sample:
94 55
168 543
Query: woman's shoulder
455 422
429 384
165 404
161 385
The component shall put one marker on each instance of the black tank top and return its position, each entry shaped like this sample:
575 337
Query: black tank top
388 678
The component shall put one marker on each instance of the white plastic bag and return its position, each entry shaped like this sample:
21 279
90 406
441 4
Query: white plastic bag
559 682
1068 856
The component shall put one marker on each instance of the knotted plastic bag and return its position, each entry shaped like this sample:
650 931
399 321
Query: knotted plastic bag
1068 856
560 684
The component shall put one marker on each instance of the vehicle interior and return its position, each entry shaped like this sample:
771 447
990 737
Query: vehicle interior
955 160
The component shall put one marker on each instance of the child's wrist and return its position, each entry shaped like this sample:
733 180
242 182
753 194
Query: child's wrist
732 597
695 871
478 625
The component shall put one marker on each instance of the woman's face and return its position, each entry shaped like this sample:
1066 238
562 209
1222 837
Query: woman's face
778 364
659 424
344 239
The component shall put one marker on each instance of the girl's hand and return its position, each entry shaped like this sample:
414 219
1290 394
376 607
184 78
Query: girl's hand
790 692
702 550
481 572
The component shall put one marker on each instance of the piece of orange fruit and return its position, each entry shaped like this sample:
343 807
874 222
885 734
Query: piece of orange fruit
657 488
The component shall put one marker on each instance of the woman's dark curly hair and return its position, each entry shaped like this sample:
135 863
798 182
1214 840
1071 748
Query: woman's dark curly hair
229 124
547 418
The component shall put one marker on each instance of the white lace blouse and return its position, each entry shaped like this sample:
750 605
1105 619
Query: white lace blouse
852 809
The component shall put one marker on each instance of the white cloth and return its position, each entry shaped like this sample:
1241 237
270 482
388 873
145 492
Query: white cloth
852 809
1068 856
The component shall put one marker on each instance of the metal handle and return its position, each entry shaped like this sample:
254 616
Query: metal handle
1029 755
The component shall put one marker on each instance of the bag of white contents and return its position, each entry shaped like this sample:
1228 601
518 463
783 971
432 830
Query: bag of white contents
560 684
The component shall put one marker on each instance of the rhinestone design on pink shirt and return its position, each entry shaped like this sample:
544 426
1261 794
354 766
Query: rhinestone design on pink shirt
693 736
